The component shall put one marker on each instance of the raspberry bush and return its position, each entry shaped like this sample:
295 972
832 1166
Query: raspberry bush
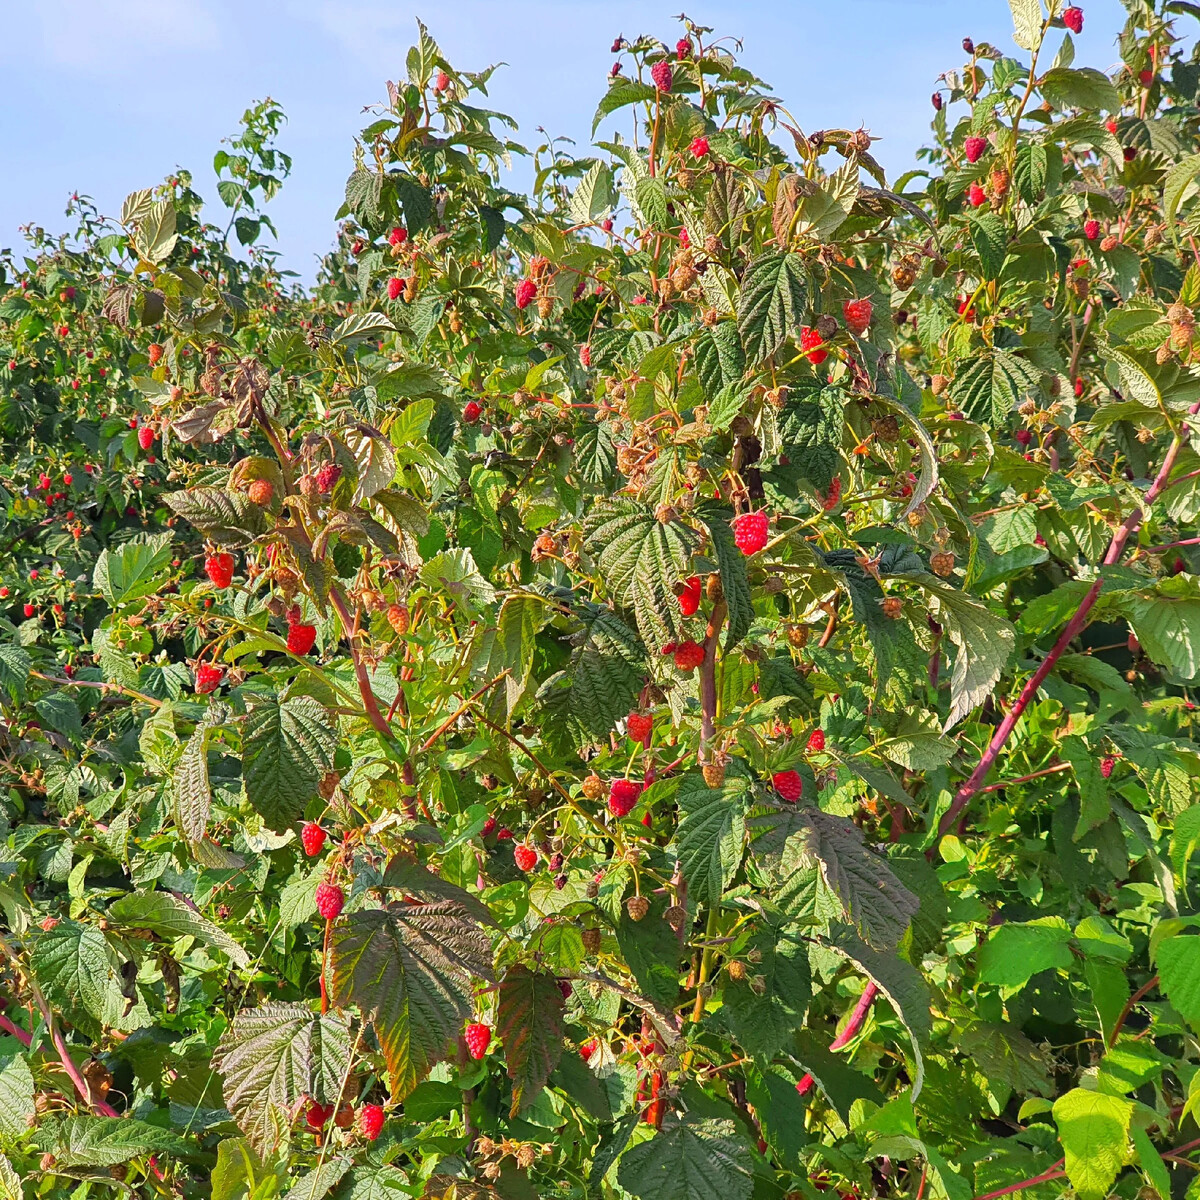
674 684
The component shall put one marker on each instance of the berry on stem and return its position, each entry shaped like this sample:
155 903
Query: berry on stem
688 655
370 1119
478 1037
1072 18
858 315
301 638
622 796
816 741
219 569
208 678
750 531
813 342
525 292
330 899
699 147
788 784
662 75
525 856
312 838
689 598
974 147
640 726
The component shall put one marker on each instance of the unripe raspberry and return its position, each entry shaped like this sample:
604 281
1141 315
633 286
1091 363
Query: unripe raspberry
640 726
662 75
976 195
974 147
623 796
526 290
858 315
788 784
327 476
942 564
398 618
893 606
312 838
442 82
261 492
472 411
525 856
688 656
395 286
219 569
478 1037
1106 767
699 147
816 741
593 787
1091 229
301 638
208 678
750 531
370 1120
736 969
689 598
1110 243
1072 18
330 899
637 907
812 341
591 940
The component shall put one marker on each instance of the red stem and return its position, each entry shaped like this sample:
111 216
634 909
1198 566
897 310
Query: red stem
1055 1172
23 1036
843 1039
708 680
360 670
1150 983
1074 628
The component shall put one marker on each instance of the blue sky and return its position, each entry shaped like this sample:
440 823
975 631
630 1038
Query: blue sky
106 96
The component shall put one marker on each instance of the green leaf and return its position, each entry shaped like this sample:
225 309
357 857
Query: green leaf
1178 961
16 1097
134 569
78 972
1094 1130
711 834
1175 185
593 196
288 747
15 665
529 1017
689 1159
410 969
651 951
228 518
1084 88
918 743
60 713
190 786
990 239
1093 787
1151 1163
163 914
87 1141
810 428
1168 628
620 94
764 1017
270 1057
840 1082
771 302
1027 23
990 386
1015 953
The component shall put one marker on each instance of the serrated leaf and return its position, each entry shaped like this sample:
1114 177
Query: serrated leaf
529 1017
270 1057
1094 1129
15 666
990 239
1083 87
990 386
288 747
1178 961
134 569
410 970
86 1141
366 324
620 94
163 914
918 743
78 971
735 581
593 195
689 1159
228 518
763 1022
771 301
1016 952
1027 23
190 788
16 1097
711 834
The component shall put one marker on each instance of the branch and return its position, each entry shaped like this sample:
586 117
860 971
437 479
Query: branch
462 708
360 670
1055 1172
857 1019
708 679
1150 983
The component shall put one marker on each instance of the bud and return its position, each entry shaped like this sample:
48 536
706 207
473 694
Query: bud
968 45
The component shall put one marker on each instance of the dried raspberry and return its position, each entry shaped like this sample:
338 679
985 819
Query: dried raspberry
1110 243
750 531
146 436
219 569
639 727
1091 230
154 353
478 1037
1072 18
936 101
301 638
662 75
893 606
622 796
788 784
395 287
688 656
398 236
472 412
689 598
312 838
316 1116
812 341
1130 153
976 195
525 292
699 147
327 477
637 907
858 315
330 899
1106 767
974 147
816 741
370 1117
261 492
525 856
208 678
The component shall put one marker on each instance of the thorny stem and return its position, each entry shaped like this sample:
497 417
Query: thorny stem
1004 783
102 687
708 680
1074 627
1149 985
360 669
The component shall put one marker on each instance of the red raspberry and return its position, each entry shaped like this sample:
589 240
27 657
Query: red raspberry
316 1116
1106 767
662 75
689 598
68 479
312 838
398 236
504 835
29 610
395 286
936 101
44 482
833 495
640 726
622 796
788 784
154 353
812 341
1145 78
750 531
683 49
684 238
1024 436
1111 125
816 741
976 195
357 248
1130 153
1078 388
208 678
974 147
615 71
301 638
585 355
442 82
478 1037
64 330
525 292
330 899
525 856
858 315
1072 18
327 477
688 656
1091 230
370 1116
489 827
219 569
699 147
588 1049
472 412
3 593
146 436
75 385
